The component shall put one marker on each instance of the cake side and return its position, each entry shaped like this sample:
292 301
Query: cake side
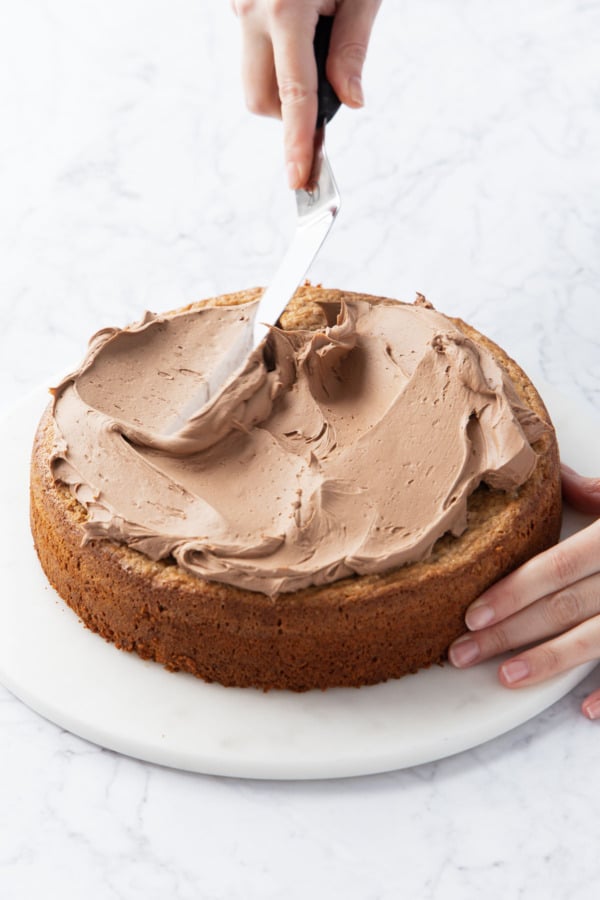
359 630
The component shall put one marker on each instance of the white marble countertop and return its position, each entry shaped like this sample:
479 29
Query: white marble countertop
132 177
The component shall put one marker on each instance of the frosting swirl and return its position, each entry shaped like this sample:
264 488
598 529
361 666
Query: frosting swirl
351 452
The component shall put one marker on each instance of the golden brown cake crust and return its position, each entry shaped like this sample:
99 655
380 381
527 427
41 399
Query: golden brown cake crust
359 630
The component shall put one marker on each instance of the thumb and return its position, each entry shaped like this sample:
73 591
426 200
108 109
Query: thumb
582 493
591 705
348 48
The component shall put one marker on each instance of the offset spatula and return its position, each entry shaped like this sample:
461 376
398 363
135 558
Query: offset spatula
317 207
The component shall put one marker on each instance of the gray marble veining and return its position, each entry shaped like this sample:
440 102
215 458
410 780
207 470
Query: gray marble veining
132 177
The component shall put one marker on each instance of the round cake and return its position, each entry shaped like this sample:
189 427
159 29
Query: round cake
370 475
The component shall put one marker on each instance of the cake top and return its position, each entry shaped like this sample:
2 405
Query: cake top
352 451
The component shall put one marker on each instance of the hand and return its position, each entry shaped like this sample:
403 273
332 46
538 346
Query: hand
279 70
555 598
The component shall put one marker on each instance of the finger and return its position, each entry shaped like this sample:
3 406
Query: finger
562 565
258 74
348 48
258 66
580 644
591 705
582 493
548 617
292 31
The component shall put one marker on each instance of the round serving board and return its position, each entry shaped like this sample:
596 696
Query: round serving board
77 680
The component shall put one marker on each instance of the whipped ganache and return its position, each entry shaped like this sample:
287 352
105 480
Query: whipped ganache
351 452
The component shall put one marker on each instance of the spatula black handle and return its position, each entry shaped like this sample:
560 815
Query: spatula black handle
329 102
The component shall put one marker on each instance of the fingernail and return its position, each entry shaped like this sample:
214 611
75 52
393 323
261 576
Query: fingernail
592 710
463 652
293 174
479 616
514 670
355 90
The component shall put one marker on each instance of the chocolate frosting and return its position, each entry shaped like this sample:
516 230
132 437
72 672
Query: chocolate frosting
345 451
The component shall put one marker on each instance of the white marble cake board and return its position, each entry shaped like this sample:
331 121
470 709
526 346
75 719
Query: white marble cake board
83 684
